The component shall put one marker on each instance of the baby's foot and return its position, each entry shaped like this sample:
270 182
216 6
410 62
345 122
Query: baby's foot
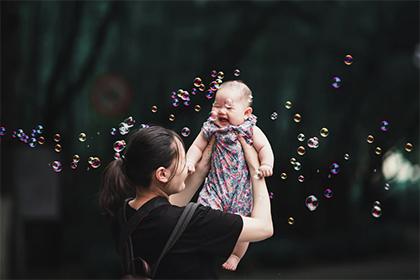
231 263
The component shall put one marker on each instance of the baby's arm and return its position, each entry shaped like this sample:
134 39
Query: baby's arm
196 151
265 153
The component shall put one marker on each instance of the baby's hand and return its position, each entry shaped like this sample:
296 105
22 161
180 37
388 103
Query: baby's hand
190 167
266 170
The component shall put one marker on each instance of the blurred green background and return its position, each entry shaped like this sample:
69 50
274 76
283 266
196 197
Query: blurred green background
85 66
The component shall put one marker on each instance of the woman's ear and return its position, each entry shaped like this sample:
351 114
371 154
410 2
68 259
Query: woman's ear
248 112
162 174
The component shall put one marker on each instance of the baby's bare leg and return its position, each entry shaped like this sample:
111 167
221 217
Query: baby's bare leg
236 256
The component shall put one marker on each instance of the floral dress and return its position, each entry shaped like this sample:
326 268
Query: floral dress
228 185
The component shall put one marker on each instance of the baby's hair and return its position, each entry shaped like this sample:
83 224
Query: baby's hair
245 90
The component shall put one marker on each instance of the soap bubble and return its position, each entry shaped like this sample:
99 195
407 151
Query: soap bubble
119 145
175 102
130 121
324 132
270 195
197 108
219 81
376 211
297 118
214 86
283 176
113 131
290 221
76 158
171 117
370 139
335 168
154 109
336 83
123 128
41 140
236 73
57 166
387 186
220 75
57 148
378 151
209 94
56 138
32 142
213 73
297 166
187 103
313 142
377 203
73 165
346 156
348 59
311 202
292 161
328 193
185 132
301 150
273 116
288 105
202 87
301 178
301 137
408 147
384 126
2 131
197 82
194 91
82 137
94 162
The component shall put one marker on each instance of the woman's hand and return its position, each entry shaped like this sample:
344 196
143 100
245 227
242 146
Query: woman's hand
251 156
203 166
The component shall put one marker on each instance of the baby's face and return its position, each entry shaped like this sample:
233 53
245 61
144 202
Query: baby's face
229 107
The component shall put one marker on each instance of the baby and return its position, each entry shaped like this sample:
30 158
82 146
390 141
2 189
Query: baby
228 184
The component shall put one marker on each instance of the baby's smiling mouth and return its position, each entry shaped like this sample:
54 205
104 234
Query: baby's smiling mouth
223 119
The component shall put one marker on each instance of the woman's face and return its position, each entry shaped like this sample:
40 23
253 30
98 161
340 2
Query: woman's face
177 183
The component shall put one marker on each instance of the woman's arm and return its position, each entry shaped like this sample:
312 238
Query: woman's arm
260 225
194 180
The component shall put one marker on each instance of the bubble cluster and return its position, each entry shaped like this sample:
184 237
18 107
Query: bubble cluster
336 82
311 202
323 132
335 168
119 146
185 132
273 116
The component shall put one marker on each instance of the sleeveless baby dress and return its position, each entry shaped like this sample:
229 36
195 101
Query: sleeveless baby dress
228 185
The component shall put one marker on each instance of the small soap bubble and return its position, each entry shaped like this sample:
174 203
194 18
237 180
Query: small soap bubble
376 211
56 138
32 143
336 82
377 203
313 142
57 148
301 150
73 165
175 102
323 132
57 166
194 91
301 178
171 117
378 151
213 73
187 103
209 94
297 166
346 156
348 59
283 176
290 221
202 87
197 108
220 75
288 105
82 137
273 116
214 86
2 131
387 186
39 127
311 202
384 126
335 168
185 132
154 109
119 145
292 161
130 121
123 128
41 140
408 147
236 73
297 118
370 139
301 137
328 193
271 195
197 82
94 162
76 158
113 131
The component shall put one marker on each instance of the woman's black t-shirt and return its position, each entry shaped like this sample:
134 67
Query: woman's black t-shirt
206 243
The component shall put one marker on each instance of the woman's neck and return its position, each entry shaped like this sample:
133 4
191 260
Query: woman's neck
143 197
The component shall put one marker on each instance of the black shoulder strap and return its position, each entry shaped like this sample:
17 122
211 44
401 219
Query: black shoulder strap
180 227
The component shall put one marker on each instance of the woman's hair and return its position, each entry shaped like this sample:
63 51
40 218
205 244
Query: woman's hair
147 149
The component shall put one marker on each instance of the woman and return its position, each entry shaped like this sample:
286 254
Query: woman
154 168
